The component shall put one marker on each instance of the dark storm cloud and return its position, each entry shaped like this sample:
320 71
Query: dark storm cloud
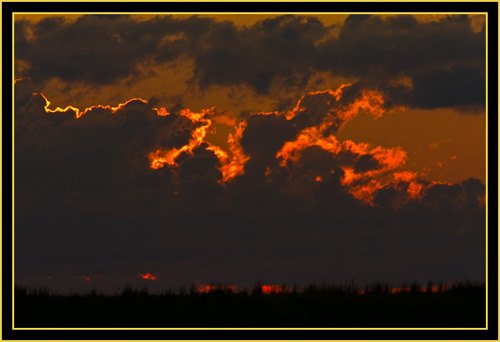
443 207
457 86
313 108
401 44
95 49
278 47
86 199
468 196
365 163
23 93
93 161
265 135
444 60
441 58
199 177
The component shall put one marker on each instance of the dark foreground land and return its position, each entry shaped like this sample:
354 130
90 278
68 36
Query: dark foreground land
315 307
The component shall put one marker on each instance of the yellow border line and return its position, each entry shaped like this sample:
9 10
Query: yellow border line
354 328
262 1
13 191
1 182
486 177
249 13
258 1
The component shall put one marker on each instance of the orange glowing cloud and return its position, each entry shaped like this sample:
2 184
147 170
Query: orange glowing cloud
79 113
314 136
366 191
20 79
362 185
370 101
385 163
308 137
225 120
414 188
167 156
232 165
389 158
161 111
337 94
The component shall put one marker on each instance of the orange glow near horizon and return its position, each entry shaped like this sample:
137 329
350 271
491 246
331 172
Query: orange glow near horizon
396 290
217 288
283 289
275 289
266 289
147 276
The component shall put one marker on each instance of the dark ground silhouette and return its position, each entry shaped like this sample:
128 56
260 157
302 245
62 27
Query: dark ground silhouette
461 305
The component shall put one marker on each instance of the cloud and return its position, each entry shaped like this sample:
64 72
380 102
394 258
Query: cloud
272 48
398 44
365 163
92 49
457 86
112 146
421 64
439 58
304 206
91 161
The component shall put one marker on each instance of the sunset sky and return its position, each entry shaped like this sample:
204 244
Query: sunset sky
160 150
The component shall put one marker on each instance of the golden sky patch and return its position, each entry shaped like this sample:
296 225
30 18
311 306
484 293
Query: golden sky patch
457 141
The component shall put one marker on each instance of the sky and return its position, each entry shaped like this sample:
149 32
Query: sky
240 148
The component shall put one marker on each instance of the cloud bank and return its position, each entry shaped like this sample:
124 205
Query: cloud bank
123 187
415 63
